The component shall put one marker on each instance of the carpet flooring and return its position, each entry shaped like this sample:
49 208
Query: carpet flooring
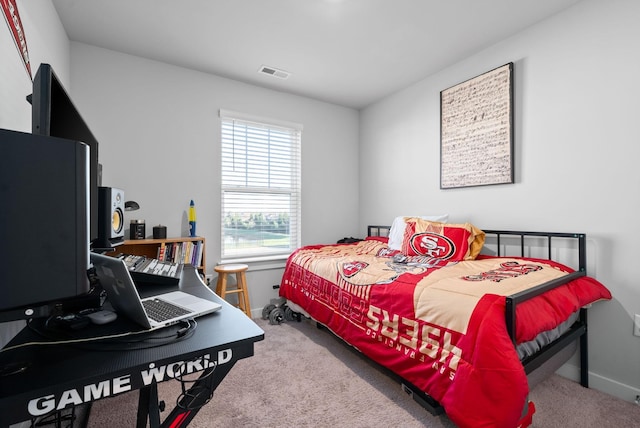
306 377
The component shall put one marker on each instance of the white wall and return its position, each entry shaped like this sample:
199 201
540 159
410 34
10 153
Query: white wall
576 158
159 135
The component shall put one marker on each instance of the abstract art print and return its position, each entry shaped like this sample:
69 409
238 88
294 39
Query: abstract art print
476 131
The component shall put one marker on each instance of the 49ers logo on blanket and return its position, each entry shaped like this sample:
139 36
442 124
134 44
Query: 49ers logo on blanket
350 269
433 245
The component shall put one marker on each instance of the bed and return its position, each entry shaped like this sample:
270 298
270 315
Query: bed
466 325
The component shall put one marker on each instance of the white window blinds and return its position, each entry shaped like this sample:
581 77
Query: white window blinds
260 167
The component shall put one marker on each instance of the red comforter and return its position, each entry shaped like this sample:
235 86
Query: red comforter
439 325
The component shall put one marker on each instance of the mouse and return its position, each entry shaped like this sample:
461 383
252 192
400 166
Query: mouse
102 317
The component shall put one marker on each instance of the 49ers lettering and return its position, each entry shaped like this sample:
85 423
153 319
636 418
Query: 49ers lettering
416 339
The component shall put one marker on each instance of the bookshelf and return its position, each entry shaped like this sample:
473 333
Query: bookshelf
183 249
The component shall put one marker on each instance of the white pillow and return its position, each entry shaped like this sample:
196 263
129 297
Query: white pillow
396 234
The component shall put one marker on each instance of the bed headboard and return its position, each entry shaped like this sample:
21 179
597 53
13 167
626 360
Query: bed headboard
512 243
523 239
378 231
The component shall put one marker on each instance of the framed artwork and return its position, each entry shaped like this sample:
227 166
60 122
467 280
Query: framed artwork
476 130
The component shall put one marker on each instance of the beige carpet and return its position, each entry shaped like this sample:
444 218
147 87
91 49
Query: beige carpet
305 377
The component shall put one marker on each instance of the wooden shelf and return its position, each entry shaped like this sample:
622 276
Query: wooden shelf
150 248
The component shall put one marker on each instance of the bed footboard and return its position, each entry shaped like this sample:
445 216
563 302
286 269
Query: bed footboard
579 328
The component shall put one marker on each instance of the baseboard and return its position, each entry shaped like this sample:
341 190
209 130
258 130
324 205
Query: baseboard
601 383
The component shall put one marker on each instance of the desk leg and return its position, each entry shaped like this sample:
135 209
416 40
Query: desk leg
148 407
189 404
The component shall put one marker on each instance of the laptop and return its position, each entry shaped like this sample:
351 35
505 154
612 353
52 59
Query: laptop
151 312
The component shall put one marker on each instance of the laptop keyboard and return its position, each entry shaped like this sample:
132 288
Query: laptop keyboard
159 310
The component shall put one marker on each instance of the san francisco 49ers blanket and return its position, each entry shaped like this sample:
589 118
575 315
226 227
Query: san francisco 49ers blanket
440 325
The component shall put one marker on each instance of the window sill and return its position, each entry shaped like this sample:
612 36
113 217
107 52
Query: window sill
259 263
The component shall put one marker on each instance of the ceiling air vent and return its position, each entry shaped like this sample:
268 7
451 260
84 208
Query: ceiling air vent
280 74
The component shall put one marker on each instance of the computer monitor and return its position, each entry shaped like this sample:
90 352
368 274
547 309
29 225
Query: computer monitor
54 114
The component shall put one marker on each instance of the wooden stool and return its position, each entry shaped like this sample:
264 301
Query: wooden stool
242 291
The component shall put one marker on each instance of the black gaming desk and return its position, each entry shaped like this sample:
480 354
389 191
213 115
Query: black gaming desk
53 377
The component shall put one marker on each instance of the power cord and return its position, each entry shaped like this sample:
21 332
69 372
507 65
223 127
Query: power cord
201 390
113 342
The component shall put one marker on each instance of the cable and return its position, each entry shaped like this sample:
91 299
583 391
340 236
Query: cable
149 342
70 341
200 393
188 332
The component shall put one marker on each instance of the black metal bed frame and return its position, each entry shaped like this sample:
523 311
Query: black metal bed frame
577 331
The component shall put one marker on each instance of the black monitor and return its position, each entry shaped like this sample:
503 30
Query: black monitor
53 114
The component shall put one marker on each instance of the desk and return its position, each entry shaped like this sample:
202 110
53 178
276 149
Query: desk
59 376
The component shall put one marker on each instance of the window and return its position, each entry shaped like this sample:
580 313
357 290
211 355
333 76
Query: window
260 167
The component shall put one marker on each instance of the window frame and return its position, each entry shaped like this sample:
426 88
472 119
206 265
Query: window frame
294 191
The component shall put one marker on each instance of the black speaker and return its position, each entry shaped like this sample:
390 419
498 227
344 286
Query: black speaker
110 217
44 219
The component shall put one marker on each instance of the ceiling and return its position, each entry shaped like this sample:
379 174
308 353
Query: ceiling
346 52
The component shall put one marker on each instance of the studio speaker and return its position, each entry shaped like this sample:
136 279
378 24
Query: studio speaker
110 217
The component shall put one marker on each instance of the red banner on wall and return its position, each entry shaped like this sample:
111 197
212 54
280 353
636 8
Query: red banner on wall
10 11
